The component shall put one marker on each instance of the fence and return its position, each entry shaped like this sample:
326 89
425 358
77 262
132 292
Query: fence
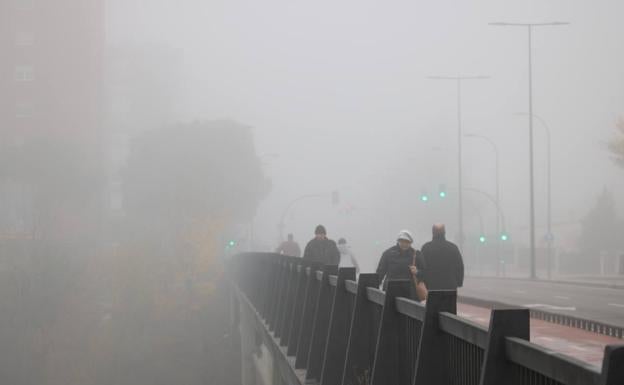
321 327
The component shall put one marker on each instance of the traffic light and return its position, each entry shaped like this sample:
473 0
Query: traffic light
231 243
482 239
424 196
504 237
442 191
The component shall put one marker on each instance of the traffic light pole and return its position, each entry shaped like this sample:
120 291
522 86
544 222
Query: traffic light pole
460 205
281 225
497 175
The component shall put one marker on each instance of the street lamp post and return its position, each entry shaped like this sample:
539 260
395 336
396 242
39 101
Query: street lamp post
281 225
497 196
529 27
549 235
458 80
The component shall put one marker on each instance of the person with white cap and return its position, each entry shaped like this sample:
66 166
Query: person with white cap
396 261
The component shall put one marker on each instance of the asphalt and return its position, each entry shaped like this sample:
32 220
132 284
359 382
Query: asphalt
601 304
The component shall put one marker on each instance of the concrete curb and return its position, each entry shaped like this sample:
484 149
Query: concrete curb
617 286
556 318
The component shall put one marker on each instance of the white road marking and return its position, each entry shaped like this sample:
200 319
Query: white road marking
616 305
520 291
549 307
562 297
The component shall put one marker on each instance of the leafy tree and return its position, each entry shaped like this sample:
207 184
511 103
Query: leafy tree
183 187
190 173
616 145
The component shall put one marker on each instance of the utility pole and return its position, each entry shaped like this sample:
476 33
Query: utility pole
529 27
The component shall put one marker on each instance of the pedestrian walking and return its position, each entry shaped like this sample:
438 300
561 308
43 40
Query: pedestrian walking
443 264
289 247
347 258
396 261
322 249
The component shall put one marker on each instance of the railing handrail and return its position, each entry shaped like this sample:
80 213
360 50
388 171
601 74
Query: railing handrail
464 329
410 308
375 295
549 363
351 286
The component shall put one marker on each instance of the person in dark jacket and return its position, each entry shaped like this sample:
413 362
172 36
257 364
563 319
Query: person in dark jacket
322 249
289 247
396 261
444 267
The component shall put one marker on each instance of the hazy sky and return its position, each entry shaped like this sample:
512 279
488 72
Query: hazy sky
338 89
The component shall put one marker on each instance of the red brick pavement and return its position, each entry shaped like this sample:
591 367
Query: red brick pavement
577 343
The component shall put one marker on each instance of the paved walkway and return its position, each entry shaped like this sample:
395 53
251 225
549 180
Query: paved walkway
577 343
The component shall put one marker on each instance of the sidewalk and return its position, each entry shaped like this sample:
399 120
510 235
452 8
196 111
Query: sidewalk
577 343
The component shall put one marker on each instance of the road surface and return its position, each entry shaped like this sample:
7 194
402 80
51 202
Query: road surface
599 304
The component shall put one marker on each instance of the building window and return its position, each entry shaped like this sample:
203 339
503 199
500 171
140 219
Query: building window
24 73
24 110
24 39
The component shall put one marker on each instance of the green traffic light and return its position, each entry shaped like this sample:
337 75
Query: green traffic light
442 194
504 237
482 239
232 243
424 198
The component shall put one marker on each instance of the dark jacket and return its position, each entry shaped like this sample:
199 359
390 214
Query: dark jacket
395 263
444 267
323 251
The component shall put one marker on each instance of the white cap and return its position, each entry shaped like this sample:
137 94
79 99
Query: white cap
405 235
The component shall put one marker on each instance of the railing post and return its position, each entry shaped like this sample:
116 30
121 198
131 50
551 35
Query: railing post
271 280
387 369
504 323
613 365
338 336
362 335
300 299
321 321
278 293
291 302
289 283
433 349
307 319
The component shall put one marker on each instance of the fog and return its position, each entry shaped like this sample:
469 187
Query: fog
340 93
252 105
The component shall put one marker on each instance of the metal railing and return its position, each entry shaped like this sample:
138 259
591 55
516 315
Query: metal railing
323 327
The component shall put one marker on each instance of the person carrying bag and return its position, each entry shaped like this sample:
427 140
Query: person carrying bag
419 284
